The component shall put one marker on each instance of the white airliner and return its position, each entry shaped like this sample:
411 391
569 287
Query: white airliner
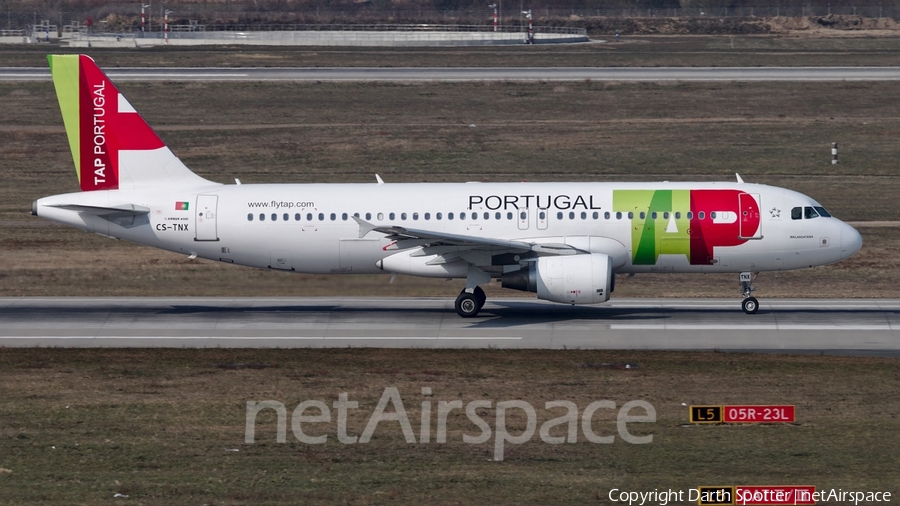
564 241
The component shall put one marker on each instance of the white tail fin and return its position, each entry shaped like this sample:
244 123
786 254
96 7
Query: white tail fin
113 147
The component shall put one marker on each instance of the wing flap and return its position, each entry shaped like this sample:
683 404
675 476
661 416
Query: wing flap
445 243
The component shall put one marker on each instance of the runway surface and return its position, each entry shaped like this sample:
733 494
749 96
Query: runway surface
481 74
867 327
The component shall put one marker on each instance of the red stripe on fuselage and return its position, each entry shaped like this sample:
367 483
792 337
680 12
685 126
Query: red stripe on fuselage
706 235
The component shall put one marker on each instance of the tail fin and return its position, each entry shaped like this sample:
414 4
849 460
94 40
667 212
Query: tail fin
113 147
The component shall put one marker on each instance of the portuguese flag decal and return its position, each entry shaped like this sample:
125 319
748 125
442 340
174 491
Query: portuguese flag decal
182 206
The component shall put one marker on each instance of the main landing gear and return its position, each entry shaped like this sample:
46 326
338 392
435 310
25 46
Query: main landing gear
468 304
750 305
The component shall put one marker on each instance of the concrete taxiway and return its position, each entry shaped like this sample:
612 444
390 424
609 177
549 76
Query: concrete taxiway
867 327
407 74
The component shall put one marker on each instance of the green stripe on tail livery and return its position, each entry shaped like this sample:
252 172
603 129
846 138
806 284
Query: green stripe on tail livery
565 241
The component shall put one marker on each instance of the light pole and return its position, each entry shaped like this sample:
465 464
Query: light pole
166 27
530 39
143 17
494 6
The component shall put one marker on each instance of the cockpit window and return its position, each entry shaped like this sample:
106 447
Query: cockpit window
797 213
809 213
822 212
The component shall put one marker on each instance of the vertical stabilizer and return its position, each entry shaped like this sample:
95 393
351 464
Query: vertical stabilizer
112 146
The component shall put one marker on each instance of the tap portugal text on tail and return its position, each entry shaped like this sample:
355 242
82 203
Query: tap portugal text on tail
564 241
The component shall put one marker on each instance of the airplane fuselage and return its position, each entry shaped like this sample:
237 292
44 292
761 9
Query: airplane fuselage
643 227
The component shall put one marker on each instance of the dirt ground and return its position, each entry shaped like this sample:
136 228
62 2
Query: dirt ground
169 426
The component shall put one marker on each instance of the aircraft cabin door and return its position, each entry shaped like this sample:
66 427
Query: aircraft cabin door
543 218
523 218
206 218
748 214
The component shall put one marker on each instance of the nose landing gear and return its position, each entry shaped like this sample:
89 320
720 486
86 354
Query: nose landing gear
750 305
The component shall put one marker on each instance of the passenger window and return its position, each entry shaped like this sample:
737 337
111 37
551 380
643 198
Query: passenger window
380 216
508 216
523 216
427 216
403 216
462 216
584 215
618 215
797 213
357 215
344 216
321 216
308 216
297 217
712 215
449 216
643 215
559 216
368 216
262 217
497 216
333 216
438 216
571 215
665 216
274 217
286 217
250 217
392 216
677 215
701 215
487 216
542 215
653 215
630 215
416 216
690 215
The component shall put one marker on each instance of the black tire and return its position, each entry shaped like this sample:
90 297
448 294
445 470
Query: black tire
750 305
467 305
480 296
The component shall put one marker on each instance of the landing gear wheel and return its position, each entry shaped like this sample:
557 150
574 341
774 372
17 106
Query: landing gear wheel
467 305
750 305
480 296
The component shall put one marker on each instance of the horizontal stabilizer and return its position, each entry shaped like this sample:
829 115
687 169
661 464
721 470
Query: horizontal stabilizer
105 211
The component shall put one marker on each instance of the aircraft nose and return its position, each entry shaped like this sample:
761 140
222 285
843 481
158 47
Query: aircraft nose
851 241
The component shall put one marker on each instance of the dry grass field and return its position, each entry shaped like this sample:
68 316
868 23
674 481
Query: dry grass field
840 48
773 133
168 426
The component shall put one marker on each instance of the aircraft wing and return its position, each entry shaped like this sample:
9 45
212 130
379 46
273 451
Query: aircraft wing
418 237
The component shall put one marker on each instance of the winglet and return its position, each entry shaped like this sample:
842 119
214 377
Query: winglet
364 226
378 178
738 176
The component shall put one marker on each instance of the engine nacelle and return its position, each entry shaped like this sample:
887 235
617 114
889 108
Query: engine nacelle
570 279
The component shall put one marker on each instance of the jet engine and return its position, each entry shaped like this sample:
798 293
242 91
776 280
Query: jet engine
570 279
